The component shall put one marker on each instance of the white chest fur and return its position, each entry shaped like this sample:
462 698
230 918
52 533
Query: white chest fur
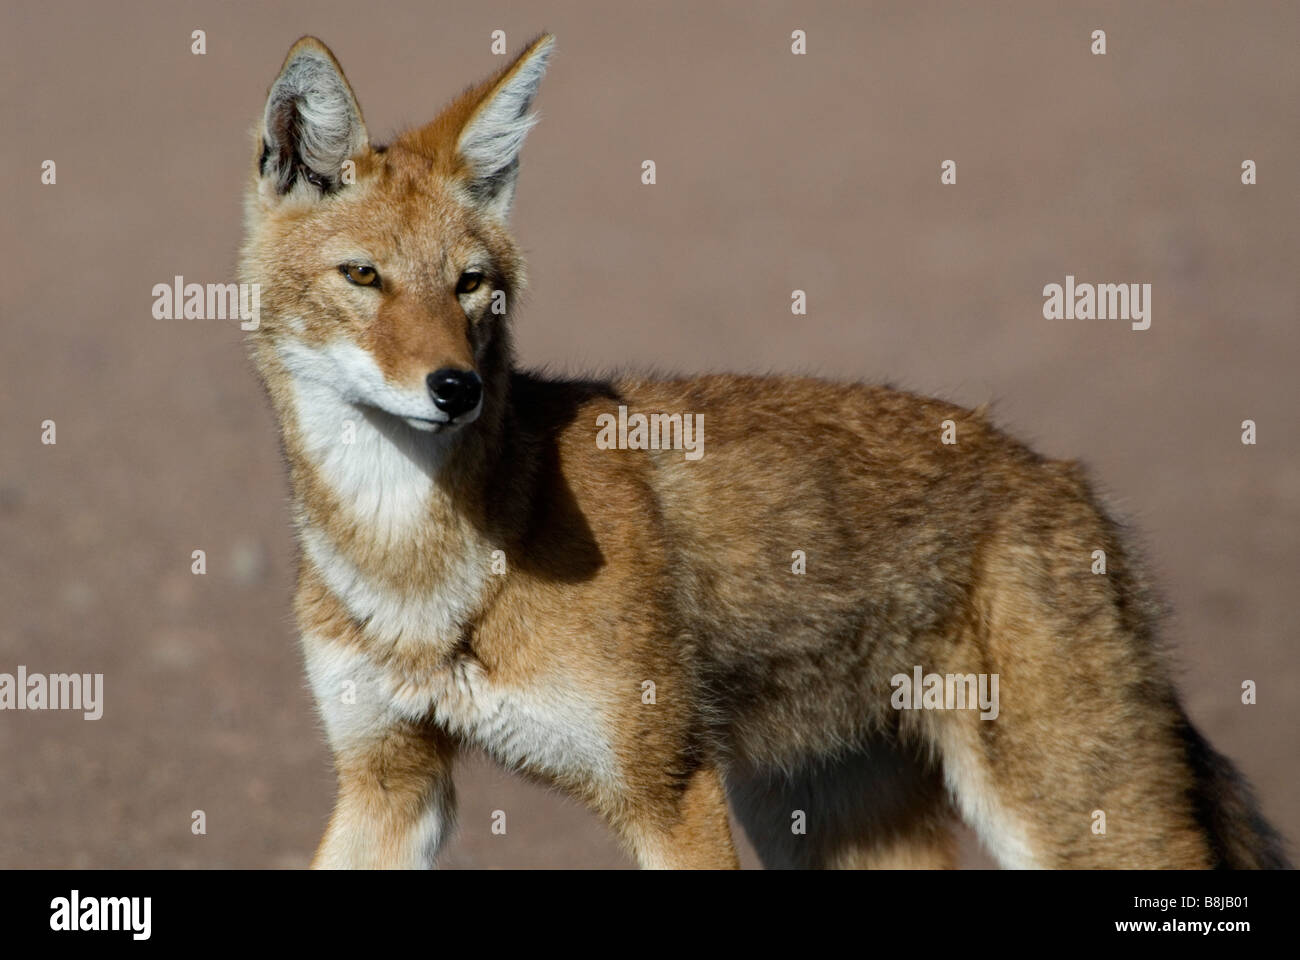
396 617
383 481
547 727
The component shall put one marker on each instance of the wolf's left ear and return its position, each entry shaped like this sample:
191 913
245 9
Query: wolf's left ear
494 132
312 123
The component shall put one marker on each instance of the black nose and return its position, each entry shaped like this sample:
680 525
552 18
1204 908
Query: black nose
455 391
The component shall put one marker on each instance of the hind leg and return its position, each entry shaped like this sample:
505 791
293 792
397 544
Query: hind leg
879 808
1084 764
1049 797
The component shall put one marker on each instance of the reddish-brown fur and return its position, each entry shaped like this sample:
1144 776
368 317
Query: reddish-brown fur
631 566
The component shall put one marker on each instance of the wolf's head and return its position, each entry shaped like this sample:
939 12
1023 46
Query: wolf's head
386 273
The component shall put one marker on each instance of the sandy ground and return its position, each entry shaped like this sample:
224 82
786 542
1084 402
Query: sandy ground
775 172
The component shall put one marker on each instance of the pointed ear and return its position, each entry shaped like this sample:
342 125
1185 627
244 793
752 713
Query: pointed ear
312 123
498 120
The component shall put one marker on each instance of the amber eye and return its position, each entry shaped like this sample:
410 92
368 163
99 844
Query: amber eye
360 274
468 282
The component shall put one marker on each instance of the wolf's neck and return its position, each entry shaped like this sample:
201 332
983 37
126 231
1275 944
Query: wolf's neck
375 469
390 518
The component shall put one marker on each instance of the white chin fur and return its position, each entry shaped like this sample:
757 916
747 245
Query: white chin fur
439 426
428 426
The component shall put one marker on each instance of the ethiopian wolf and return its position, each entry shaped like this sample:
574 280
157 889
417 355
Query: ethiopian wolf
658 633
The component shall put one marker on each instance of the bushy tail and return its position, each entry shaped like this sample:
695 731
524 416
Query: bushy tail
1240 837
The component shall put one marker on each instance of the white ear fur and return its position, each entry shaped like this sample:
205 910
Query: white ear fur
312 123
493 138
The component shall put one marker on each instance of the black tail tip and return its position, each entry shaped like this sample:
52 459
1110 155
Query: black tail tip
1225 805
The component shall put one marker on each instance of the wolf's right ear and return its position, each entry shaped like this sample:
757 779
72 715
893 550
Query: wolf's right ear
312 123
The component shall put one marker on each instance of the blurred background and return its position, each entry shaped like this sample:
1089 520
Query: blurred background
775 172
